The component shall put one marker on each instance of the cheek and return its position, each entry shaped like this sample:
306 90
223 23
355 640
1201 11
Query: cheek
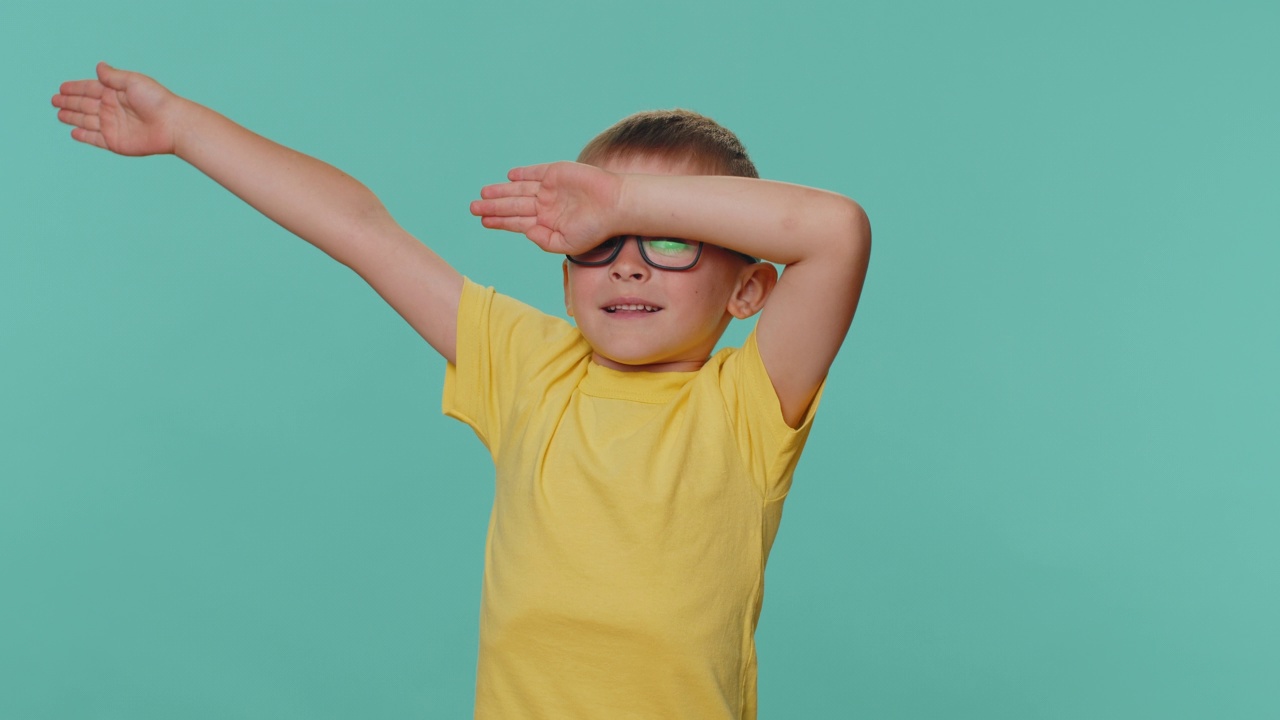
578 289
713 289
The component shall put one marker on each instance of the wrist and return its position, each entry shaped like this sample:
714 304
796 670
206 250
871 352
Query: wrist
625 219
184 120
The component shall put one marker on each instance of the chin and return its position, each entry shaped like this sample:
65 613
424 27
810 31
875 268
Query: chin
630 356
639 349
646 358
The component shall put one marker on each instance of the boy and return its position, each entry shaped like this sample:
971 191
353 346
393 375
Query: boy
640 479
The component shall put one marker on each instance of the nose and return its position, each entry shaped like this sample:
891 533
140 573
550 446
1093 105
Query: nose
629 265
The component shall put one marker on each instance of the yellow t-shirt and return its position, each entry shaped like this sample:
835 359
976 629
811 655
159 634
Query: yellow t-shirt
632 517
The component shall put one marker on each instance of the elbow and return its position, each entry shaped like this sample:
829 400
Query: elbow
832 230
852 236
855 250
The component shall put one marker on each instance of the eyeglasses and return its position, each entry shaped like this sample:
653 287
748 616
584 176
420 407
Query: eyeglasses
662 253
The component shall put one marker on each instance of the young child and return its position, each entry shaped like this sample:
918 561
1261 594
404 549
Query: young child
640 479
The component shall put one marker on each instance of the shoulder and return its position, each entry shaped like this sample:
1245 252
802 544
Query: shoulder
506 351
486 313
741 377
768 445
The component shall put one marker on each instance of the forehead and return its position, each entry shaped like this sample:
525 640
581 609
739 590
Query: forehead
638 164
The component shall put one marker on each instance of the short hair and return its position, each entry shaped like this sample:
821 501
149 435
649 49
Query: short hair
673 134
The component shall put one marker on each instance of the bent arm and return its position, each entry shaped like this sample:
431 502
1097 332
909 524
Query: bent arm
823 239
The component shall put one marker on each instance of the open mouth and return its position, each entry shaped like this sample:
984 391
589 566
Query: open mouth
631 307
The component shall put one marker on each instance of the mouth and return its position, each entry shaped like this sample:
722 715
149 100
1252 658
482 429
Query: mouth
630 308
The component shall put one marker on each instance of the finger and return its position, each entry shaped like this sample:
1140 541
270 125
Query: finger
82 120
77 103
89 137
505 207
87 88
510 189
512 224
528 172
111 77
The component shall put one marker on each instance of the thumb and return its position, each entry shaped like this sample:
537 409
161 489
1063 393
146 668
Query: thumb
111 77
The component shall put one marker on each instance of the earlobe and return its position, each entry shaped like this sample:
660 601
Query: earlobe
754 286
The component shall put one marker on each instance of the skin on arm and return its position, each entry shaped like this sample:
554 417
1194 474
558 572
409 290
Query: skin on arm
823 239
131 114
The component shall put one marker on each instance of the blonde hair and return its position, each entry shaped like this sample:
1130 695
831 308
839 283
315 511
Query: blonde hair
673 134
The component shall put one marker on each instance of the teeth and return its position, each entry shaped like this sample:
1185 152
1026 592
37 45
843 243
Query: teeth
632 307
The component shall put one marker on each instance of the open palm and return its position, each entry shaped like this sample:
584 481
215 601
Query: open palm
124 112
563 207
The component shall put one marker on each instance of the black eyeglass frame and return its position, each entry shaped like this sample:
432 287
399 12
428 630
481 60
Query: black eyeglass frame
639 243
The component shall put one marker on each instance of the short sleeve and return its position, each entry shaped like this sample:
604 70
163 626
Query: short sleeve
504 348
770 447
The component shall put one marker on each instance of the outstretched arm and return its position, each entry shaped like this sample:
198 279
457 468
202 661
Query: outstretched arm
131 114
822 238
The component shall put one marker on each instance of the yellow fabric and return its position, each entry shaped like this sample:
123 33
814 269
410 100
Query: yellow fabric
632 518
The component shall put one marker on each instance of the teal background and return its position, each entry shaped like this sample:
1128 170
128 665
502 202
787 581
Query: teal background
1043 483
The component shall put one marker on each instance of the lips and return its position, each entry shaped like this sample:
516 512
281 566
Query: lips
631 308
630 305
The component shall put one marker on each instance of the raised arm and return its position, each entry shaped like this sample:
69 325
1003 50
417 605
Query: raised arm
131 114
822 238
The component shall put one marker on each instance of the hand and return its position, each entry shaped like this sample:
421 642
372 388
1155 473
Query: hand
563 207
124 112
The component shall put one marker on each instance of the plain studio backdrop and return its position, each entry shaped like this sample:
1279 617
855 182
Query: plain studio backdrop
1043 482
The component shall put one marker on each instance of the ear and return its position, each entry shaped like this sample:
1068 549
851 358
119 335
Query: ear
755 282
568 307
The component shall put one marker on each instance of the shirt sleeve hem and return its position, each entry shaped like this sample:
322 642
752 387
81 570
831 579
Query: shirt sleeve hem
461 379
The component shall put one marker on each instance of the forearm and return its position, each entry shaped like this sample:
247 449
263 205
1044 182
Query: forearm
310 198
780 222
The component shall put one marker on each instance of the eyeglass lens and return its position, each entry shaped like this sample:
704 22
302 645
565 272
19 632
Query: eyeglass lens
665 253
